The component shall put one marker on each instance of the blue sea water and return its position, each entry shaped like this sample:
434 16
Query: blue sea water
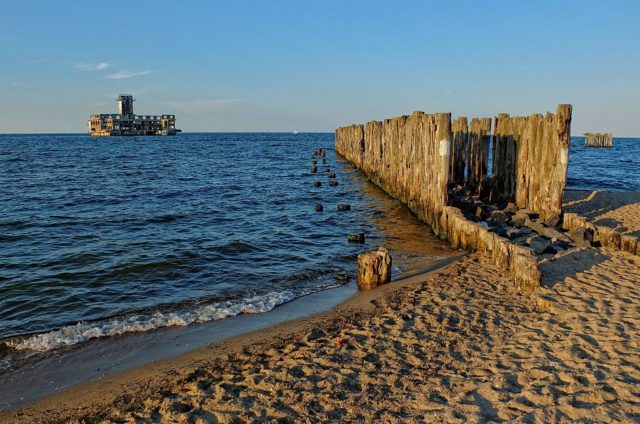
101 237
614 169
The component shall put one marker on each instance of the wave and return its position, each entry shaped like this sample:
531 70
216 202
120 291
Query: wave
152 320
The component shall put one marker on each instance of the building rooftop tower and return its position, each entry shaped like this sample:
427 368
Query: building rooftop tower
125 104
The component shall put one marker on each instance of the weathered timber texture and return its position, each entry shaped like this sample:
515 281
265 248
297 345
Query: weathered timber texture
407 156
459 150
478 156
598 139
374 268
531 160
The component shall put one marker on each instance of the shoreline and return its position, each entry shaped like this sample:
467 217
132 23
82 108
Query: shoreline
75 398
454 343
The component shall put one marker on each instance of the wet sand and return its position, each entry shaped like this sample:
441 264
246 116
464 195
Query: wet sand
458 344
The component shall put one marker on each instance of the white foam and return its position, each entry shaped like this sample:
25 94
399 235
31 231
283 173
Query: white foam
83 331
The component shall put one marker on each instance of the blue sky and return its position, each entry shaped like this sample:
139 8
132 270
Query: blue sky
314 65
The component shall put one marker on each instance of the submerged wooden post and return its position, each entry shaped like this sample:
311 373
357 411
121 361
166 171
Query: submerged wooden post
374 268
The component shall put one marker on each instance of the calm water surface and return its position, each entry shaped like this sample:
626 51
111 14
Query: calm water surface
100 237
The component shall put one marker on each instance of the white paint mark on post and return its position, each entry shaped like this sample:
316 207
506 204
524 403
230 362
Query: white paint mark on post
444 147
564 156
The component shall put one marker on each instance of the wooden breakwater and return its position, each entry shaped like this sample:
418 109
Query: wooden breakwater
418 158
598 139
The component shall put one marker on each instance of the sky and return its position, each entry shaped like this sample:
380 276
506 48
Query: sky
316 65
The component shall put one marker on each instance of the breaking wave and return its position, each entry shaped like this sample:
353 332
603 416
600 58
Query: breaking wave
140 322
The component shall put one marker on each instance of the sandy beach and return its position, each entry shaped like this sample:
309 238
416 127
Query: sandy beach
457 344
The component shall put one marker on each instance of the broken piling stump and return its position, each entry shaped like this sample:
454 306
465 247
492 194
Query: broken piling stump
356 238
319 208
374 268
317 183
333 183
314 169
331 175
343 207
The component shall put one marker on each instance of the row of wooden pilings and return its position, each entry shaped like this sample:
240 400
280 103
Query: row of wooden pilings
417 159
598 139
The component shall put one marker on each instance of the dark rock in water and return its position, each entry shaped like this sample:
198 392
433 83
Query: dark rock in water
553 220
538 244
333 183
317 183
319 208
580 237
342 277
314 169
356 238
344 207
332 175
326 169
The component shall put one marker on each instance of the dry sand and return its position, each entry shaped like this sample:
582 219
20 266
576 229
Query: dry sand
617 210
456 345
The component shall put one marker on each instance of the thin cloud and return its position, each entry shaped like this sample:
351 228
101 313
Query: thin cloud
92 66
124 74
18 84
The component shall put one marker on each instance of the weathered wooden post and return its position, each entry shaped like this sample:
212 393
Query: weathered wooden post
479 140
459 150
374 268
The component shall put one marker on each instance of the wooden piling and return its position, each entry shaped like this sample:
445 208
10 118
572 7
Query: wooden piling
479 140
410 157
598 139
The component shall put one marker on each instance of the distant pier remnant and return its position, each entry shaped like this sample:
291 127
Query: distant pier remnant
598 139
374 268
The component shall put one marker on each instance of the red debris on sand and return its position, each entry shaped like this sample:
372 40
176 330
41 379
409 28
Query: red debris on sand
343 341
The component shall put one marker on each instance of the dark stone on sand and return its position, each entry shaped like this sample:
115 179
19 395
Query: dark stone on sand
552 220
538 244
511 208
498 218
580 237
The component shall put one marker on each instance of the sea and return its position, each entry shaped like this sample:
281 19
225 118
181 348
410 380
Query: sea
101 237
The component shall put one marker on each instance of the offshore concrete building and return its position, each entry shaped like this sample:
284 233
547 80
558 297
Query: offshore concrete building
125 122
